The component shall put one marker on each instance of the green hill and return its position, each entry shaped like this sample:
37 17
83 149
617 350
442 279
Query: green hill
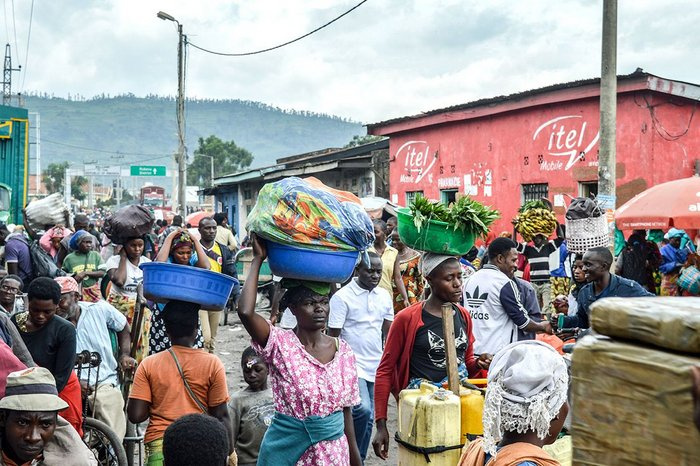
133 126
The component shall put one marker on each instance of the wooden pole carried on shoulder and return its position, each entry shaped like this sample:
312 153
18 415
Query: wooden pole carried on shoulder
448 331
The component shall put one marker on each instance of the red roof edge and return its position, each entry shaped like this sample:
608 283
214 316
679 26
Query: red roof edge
574 90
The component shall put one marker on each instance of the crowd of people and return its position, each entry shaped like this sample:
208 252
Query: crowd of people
344 349
87 301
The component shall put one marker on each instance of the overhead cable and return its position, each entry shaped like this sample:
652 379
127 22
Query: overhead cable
280 45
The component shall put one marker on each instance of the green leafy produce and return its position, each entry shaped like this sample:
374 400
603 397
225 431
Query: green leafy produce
533 205
466 214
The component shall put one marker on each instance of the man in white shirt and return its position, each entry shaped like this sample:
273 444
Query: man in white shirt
94 322
361 314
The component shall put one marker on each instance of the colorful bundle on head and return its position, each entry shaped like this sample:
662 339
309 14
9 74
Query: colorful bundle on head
306 213
535 218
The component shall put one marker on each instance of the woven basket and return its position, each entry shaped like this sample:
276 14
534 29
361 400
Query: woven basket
587 233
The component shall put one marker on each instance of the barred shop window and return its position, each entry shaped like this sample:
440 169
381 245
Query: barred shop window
534 192
411 195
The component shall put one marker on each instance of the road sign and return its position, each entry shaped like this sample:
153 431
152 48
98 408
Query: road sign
92 169
147 170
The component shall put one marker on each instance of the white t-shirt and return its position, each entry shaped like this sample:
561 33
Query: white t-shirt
360 314
134 276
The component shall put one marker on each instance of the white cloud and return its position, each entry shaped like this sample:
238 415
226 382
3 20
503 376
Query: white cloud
386 59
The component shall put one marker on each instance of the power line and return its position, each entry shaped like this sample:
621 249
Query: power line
280 45
14 29
7 28
26 55
102 151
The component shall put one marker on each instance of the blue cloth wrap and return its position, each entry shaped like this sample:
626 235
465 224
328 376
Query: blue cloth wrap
75 239
288 438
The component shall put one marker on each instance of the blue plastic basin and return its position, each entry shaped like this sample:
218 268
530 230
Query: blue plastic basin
163 282
306 264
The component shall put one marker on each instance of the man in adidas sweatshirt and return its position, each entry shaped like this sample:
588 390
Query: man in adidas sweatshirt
493 300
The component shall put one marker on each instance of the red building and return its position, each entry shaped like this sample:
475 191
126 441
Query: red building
506 150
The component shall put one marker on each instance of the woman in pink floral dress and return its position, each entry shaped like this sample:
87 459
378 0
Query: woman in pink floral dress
314 378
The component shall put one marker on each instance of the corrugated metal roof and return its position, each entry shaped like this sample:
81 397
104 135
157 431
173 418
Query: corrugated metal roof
638 74
300 161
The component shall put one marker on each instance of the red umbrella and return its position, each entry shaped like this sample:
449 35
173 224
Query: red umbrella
195 217
672 204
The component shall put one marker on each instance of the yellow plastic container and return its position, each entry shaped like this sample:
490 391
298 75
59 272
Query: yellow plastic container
429 417
472 411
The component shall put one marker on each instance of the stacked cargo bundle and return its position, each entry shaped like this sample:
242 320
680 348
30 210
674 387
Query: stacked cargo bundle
632 401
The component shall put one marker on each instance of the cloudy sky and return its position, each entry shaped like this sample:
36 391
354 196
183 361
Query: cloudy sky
386 59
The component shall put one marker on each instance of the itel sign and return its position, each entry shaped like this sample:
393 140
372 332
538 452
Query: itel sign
567 136
417 160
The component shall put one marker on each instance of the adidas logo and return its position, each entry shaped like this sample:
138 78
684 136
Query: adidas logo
474 300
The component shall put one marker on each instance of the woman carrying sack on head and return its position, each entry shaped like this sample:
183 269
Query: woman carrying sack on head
314 377
124 273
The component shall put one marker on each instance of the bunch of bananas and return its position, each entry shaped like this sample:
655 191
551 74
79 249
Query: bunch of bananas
535 221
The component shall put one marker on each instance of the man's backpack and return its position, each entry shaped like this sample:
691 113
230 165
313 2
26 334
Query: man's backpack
42 263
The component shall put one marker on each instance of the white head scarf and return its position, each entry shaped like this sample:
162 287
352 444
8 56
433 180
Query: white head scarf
430 261
527 386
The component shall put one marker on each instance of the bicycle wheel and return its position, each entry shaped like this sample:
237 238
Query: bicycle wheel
103 443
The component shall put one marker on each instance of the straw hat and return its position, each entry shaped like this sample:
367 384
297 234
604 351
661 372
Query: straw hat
32 389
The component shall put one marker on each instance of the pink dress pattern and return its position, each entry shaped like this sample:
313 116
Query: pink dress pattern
302 386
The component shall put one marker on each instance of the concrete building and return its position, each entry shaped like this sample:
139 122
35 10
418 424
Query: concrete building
506 150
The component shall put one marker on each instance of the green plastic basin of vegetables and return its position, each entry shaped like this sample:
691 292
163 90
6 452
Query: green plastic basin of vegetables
434 227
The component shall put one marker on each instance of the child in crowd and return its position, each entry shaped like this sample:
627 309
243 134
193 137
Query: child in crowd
252 409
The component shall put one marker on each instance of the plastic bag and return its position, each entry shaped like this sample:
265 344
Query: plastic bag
308 214
583 207
128 222
42 264
43 214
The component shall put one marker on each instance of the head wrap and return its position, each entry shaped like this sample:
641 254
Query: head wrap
324 289
76 239
527 386
430 261
67 284
675 233
182 240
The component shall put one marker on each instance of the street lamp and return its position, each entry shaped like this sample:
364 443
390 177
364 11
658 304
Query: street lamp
180 157
211 159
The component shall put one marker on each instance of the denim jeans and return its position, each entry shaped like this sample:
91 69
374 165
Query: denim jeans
363 416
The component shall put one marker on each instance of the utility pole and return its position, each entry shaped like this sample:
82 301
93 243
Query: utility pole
608 112
38 153
180 158
211 160
66 187
37 129
181 163
91 192
7 77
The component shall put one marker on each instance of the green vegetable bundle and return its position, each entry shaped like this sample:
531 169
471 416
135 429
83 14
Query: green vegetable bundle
466 214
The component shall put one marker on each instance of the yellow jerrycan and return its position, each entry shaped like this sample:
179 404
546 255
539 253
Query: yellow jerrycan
472 411
429 424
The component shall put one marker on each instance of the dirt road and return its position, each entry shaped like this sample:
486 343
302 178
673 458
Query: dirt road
232 339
